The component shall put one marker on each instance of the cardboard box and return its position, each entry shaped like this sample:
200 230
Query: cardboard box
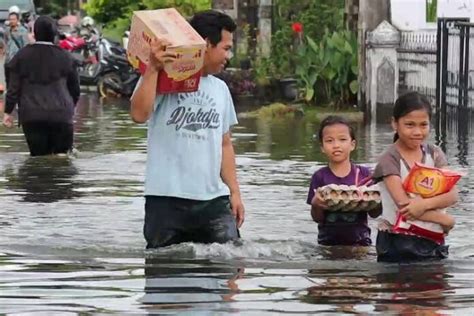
184 74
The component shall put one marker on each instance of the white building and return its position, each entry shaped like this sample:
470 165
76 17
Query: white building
410 15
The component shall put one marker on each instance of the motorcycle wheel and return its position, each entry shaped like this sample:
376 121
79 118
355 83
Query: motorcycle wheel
104 90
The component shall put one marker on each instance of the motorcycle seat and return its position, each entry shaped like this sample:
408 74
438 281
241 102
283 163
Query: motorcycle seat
117 59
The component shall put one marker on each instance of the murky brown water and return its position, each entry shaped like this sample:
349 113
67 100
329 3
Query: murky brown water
71 242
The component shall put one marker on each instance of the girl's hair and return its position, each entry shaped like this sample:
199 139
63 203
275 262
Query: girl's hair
407 103
333 120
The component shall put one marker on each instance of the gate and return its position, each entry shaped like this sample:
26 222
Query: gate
454 77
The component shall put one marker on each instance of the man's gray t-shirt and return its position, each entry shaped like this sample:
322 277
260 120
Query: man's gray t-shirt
185 142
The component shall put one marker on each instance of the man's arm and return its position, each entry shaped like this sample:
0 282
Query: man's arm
229 176
144 97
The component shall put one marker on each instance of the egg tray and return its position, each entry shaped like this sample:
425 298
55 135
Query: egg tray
350 198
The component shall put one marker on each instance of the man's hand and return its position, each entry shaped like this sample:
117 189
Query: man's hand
158 54
238 209
8 120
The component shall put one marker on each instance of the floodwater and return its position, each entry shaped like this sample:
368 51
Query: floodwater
71 232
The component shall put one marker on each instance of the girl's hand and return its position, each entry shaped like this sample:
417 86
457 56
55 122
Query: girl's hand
318 201
414 209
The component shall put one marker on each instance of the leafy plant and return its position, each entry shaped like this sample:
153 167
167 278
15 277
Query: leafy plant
262 70
431 7
314 15
333 63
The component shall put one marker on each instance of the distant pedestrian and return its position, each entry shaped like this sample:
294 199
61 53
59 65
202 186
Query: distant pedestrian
15 38
45 85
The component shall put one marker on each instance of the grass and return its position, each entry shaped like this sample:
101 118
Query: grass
313 113
320 113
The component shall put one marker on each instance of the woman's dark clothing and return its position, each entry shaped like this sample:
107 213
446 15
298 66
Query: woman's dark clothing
45 85
45 138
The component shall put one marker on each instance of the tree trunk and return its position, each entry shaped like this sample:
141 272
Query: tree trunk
351 12
371 14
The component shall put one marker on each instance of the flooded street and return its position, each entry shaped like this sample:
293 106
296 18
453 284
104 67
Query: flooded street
71 232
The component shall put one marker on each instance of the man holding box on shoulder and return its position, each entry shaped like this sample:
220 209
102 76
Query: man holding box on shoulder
191 188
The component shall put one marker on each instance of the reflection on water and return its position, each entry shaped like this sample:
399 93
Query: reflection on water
43 179
394 289
180 285
71 231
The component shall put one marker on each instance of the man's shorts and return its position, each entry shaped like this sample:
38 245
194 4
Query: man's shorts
171 220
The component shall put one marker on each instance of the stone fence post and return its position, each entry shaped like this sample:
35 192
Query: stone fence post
382 71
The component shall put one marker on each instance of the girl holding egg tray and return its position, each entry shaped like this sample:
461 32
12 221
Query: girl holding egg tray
338 206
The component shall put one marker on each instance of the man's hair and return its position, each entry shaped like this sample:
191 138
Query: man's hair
209 24
15 14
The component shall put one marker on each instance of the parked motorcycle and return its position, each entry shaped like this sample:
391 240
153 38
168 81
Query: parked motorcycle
84 52
90 73
117 77
71 43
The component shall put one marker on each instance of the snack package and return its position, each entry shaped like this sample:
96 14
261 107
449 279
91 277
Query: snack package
183 75
426 230
429 181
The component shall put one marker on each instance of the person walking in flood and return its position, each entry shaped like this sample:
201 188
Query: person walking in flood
411 122
191 188
45 85
15 38
338 228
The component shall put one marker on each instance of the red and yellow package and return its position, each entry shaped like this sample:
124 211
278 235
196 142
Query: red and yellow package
430 181
427 182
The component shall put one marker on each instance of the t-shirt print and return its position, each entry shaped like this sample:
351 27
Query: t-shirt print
196 111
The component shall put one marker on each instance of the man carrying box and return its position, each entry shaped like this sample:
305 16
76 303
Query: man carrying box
191 187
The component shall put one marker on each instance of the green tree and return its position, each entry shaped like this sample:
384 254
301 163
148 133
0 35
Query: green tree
55 8
185 7
107 11
115 14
